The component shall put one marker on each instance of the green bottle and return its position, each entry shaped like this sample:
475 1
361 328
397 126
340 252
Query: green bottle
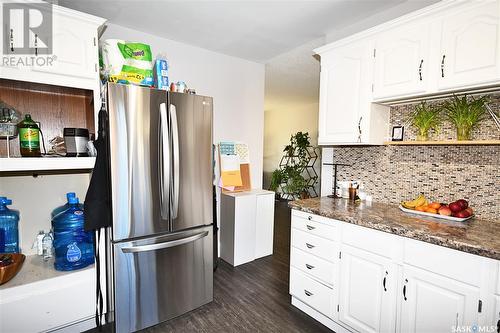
29 137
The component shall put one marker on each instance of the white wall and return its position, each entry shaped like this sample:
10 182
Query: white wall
236 85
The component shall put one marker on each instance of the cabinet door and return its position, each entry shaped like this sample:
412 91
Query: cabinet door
264 225
367 287
345 82
470 46
433 303
75 50
401 62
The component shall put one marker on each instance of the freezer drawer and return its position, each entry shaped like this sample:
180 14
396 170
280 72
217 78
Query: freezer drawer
162 277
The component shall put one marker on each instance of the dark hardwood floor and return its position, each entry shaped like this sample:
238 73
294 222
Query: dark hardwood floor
252 297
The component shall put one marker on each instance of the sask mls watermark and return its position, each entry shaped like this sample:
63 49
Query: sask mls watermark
27 34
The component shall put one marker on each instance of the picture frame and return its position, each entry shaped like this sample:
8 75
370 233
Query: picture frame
397 133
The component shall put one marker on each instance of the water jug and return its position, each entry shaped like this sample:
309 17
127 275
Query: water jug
73 245
62 208
9 221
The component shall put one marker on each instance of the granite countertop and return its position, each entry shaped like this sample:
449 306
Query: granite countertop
475 236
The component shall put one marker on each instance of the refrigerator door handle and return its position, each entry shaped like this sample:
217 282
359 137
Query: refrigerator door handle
164 163
175 148
164 245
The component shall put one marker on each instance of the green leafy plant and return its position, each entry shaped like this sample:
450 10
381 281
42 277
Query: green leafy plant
295 183
465 113
299 143
424 119
276 179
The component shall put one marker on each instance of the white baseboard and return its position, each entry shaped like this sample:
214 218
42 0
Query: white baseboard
319 317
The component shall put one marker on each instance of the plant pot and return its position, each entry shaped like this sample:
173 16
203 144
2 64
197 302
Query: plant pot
304 195
423 137
464 133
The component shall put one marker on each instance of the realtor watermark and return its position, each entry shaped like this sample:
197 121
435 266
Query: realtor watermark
27 35
474 329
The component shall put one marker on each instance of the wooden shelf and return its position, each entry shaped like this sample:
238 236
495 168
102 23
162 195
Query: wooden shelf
46 163
443 143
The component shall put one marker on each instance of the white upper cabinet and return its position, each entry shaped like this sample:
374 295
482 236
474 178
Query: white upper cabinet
73 61
346 113
367 291
447 47
470 46
402 62
433 303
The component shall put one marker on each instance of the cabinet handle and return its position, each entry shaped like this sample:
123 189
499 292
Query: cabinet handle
404 290
36 45
310 227
420 69
498 326
309 246
308 293
12 40
359 129
309 266
442 66
309 218
385 278
456 322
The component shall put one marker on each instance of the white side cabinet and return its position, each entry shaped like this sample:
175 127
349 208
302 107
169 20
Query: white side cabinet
246 226
378 282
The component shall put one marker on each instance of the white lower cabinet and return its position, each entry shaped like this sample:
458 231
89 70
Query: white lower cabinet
363 280
433 303
367 300
311 292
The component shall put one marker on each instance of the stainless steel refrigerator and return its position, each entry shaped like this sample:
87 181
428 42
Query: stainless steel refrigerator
161 188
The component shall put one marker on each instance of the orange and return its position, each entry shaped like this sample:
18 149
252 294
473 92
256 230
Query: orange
420 208
431 210
435 205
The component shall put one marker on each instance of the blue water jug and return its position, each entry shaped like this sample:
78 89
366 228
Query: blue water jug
73 245
9 222
62 208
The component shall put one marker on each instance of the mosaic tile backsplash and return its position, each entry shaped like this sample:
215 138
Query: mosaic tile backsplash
443 173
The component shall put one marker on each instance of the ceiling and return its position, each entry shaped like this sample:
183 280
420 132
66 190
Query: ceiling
253 30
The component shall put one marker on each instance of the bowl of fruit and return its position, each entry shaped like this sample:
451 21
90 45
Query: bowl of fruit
455 211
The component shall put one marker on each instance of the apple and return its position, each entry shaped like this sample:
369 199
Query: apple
463 203
468 209
444 210
462 214
455 207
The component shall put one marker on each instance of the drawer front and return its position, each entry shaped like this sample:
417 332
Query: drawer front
314 245
315 266
313 293
308 224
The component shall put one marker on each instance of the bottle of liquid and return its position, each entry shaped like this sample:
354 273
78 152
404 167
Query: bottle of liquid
72 244
39 242
47 246
29 137
62 208
9 221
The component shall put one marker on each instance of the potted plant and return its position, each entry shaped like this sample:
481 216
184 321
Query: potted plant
277 178
424 119
465 113
295 184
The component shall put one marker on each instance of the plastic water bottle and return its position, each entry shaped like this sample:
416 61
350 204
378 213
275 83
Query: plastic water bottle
62 208
72 244
47 246
9 221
